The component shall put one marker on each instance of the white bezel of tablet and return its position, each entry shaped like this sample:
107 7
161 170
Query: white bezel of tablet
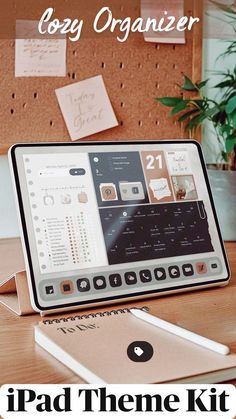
115 221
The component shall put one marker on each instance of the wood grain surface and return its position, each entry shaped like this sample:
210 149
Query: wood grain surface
209 312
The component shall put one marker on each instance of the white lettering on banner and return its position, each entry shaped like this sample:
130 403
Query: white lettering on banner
177 401
64 27
124 26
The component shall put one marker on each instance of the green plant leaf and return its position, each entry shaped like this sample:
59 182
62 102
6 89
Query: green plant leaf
223 84
202 84
230 95
230 143
189 85
233 117
180 107
187 115
225 130
169 101
231 105
225 156
199 103
196 121
200 117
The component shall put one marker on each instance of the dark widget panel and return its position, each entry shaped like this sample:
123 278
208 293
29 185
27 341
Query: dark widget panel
155 231
118 178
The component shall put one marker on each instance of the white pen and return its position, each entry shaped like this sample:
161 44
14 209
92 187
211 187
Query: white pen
183 333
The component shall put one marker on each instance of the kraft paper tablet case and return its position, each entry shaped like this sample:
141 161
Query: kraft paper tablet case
111 222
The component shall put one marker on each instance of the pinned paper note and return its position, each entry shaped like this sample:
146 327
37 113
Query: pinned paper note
86 107
38 57
163 9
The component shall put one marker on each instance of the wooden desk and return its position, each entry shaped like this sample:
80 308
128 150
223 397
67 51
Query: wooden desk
208 312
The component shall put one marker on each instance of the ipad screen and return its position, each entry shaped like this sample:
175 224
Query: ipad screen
115 220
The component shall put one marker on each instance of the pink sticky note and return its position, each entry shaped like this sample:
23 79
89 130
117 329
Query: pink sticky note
86 107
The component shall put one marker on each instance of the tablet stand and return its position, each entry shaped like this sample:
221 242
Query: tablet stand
14 294
14 291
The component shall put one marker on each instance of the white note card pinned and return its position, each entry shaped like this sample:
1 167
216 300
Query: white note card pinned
38 57
163 9
86 107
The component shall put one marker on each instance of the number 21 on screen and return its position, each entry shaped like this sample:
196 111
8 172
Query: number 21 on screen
151 162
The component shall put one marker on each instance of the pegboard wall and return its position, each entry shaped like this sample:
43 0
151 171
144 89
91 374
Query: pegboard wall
134 72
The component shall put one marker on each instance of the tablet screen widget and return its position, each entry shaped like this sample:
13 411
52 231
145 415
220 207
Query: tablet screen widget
184 188
108 192
188 270
201 268
157 176
49 290
115 280
145 275
160 274
99 282
67 287
131 191
83 285
123 174
130 278
174 272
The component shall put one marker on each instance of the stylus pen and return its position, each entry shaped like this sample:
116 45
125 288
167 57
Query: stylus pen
183 333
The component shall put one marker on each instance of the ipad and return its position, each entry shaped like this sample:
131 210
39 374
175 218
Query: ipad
116 221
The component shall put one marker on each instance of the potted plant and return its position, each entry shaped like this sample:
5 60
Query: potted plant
193 108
